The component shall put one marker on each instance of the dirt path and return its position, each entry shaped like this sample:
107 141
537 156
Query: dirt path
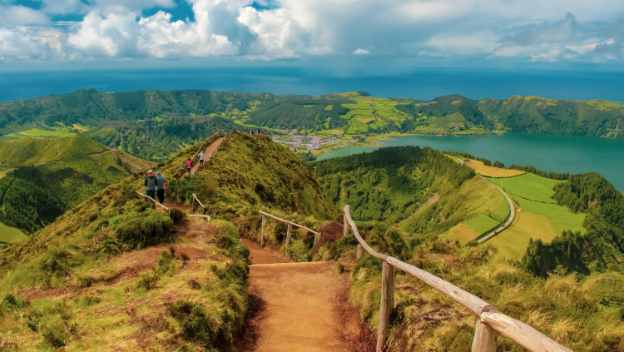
208 153
300 309
508 222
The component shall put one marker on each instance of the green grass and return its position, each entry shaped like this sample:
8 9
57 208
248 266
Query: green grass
52 132
370 114
482 223
530 186
10 234
534 193
539 216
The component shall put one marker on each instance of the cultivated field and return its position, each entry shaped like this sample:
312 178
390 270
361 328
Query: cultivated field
539 216
491 171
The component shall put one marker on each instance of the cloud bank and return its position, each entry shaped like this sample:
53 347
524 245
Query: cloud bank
500 30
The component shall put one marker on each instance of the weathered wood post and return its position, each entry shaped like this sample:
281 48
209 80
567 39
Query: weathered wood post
484 338
317 240
386 305
345 226
262 226
288 234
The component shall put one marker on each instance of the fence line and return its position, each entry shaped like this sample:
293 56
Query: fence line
265 215
489 321
154 201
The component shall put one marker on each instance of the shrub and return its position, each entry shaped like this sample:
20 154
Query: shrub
166 262
177 216
148 281
56 265
11 303
195 325
298 250
55 333
142 231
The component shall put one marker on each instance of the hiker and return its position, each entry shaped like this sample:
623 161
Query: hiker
161 187
189 165
150 184
201 158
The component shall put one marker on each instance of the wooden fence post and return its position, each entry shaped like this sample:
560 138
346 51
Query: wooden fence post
262 226
288 234
317 240
359 251
484 338
345 226
386 305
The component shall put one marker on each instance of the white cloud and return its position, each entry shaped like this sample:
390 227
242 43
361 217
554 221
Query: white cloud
162 38
525 30
113 34
361 52
78 6
461 44
11 16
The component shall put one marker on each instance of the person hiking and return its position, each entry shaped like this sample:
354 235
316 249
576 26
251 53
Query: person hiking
150 184
201 158
189 165
161 187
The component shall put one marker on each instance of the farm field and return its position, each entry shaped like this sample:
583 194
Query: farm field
10 234
370 114
539 216
491 171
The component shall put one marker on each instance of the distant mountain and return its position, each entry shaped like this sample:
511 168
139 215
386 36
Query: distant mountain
46 176
155 124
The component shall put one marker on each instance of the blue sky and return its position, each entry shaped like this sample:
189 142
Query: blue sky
345 35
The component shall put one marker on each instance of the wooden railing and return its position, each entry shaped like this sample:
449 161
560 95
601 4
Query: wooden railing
265 215
489 321
156 203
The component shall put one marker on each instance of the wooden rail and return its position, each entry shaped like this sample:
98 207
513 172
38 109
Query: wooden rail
195 202
265 215
154 201
489 321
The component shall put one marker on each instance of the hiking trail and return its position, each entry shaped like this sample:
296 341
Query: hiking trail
210 151
300 305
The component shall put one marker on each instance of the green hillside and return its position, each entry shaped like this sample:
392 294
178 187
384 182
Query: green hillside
148 279
389 184
45 176
156 124
567 287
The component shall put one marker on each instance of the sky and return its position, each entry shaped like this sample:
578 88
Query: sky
352 36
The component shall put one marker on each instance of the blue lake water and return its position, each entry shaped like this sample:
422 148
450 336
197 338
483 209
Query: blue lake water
420 84
549 153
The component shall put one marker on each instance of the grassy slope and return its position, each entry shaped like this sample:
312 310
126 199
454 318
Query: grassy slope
540 217
473 209
69 170
250 173
10 234
101 283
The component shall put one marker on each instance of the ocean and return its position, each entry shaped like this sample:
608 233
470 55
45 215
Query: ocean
423 84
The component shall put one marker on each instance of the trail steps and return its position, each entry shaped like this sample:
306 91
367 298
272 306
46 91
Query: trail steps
300 304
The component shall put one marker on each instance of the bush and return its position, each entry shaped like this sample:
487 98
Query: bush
148 281
196 326
56 265
143 231
298 251
177 216
12 303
